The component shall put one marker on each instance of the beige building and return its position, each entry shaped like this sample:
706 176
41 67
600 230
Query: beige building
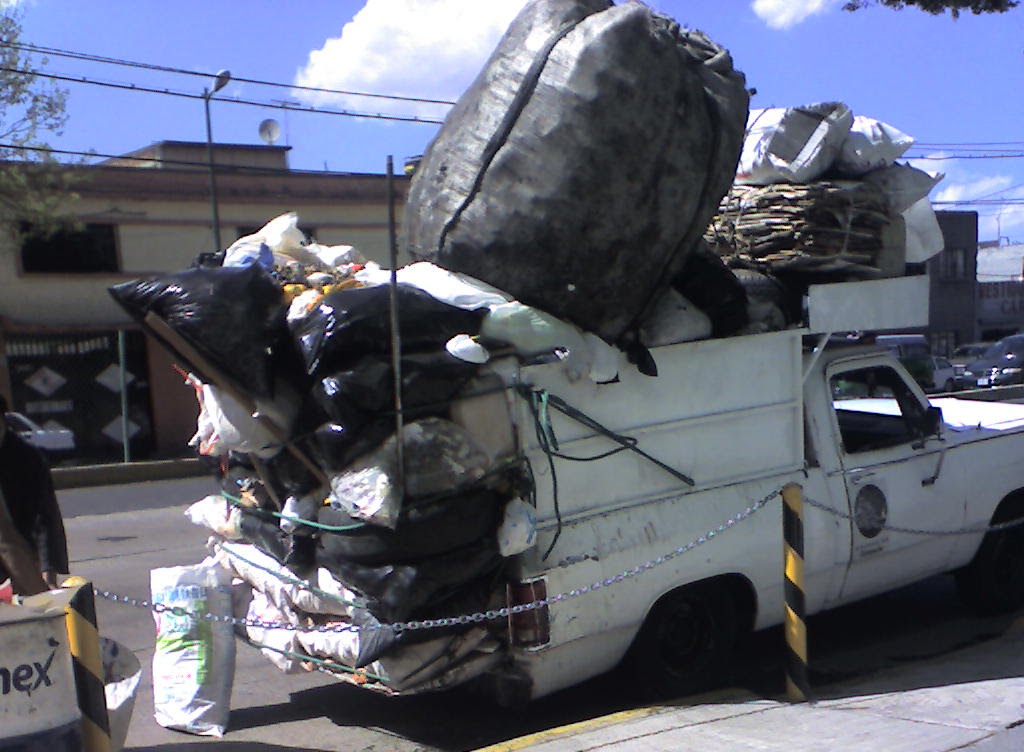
148 213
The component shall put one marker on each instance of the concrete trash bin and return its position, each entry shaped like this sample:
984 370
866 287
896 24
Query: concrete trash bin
38 703
122 672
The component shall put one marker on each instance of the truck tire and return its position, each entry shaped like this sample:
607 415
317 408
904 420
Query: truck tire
686 643
993 583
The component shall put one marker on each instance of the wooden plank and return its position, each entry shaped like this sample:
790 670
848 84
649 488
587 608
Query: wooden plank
183 349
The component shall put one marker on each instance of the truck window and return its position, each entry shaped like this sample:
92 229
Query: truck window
875 409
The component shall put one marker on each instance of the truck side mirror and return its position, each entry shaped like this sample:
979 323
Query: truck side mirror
932 421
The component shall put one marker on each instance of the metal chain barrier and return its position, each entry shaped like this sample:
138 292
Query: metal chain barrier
476 618
919 531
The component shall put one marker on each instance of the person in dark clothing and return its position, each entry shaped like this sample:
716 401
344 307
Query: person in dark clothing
33 545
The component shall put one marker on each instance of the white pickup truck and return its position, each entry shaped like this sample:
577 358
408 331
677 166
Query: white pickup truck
663 552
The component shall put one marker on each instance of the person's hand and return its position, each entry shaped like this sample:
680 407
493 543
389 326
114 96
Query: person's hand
50 578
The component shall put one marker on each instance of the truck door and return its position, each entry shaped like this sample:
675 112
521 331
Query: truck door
891 458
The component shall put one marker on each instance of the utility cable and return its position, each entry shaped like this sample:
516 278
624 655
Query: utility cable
234 100
56 52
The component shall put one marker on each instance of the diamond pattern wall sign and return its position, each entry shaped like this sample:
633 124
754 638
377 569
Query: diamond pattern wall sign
113 429
110 377
45 381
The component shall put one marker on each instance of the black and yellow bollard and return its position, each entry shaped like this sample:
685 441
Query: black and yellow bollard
84 641
796 631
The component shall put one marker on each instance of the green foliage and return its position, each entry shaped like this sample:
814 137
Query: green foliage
937 7
34 186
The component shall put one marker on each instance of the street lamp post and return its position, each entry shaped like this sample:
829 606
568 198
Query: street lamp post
219 82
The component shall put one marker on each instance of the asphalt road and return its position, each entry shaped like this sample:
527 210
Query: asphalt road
117 534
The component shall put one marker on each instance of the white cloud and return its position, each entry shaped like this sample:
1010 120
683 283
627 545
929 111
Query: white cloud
782 14
422 48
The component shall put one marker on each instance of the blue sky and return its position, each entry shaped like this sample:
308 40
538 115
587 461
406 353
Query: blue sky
953 85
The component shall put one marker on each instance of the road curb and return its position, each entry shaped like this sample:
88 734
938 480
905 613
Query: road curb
126 472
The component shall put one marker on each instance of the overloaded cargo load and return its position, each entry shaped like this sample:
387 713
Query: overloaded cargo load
371 478
337 518
582 166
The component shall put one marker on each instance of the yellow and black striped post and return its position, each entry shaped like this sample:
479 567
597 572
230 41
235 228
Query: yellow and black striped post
796 630
84 641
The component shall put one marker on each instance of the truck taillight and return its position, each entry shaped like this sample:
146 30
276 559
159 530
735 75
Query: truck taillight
528 628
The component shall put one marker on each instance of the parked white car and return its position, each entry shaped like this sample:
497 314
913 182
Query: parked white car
944 378
52 441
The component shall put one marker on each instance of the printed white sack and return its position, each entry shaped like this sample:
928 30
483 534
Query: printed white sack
792 145
194 659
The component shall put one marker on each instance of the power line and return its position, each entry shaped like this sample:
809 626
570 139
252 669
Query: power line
948 157
182 71
278 105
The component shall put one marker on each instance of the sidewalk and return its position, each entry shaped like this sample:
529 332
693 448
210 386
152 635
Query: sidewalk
965 700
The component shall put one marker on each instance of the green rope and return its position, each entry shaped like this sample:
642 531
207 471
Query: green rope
235 501
336 668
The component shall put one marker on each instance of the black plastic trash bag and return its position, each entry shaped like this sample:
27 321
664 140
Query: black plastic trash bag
429 380
712 286
334 446
232 316
394 591
357 321
584 161
425 528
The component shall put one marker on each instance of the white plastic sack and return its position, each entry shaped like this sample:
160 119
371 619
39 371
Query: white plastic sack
902 185
336 255
924 236
282 237
464 347
225 425
439 456
121 674
278 645
459 290
216 514
404 665
303 304
518 529
297 509
869 145
674 319
792 145
532 332
322 595
194 659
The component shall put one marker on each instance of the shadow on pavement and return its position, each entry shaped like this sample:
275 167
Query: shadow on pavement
470 719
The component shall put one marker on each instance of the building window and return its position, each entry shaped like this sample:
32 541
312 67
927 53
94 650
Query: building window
953 263
91 248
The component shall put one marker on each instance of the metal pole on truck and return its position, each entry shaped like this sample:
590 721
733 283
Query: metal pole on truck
396 343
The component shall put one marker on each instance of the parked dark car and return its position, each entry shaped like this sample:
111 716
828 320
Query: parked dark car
1000 365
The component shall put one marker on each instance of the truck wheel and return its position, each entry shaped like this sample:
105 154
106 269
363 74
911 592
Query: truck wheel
687 640
993 583
949 386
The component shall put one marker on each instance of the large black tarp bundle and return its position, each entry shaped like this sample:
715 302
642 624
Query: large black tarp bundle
584 162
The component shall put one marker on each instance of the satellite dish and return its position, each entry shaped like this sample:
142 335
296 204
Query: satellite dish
270 130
